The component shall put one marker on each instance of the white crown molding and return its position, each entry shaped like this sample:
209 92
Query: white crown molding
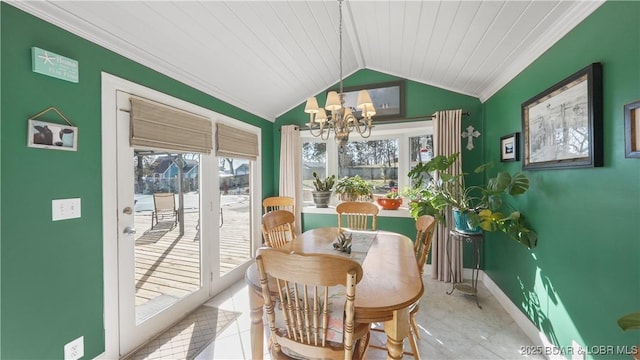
50 12
579 11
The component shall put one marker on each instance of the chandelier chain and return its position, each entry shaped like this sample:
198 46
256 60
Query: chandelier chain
342 119
340 33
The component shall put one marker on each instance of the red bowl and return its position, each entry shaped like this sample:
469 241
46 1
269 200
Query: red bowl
389 204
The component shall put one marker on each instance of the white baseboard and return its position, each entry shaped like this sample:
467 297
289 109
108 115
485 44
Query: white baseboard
536 336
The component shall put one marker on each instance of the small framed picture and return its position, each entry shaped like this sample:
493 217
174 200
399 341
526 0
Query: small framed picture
509 147
632 129
47 135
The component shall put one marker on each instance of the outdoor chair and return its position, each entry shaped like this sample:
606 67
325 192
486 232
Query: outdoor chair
356 215
164 207
310 305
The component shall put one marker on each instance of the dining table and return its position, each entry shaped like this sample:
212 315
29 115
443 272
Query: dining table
391 282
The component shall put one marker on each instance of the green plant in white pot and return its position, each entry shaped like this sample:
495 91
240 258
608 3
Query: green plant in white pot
484 207
324 189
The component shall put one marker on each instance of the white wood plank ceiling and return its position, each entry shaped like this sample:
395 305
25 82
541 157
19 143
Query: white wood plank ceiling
268 56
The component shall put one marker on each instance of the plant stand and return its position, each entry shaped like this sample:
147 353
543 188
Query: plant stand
476 240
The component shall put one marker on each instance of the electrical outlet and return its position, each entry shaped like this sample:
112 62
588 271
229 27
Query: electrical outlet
75 349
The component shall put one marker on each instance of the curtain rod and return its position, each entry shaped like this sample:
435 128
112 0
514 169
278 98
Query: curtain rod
466 113
297 127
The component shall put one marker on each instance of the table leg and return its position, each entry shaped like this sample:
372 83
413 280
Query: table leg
397 329
256 303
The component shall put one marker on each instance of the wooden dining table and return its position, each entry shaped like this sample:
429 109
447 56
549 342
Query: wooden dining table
391 282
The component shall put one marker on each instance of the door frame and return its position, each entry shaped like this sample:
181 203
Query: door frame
110 85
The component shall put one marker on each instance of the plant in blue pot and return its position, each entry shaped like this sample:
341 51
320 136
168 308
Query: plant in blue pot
475 208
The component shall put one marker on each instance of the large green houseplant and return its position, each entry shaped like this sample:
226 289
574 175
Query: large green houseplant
354 188
484 206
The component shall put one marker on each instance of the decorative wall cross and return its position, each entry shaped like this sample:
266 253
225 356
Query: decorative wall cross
470 134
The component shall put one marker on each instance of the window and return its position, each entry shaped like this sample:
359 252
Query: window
314 159
384 159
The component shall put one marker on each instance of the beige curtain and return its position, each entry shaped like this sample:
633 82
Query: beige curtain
447 127
290 168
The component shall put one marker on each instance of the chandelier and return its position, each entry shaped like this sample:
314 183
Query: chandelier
341 120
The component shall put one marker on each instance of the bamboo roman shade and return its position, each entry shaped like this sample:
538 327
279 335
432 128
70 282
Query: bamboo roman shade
234 142
161 126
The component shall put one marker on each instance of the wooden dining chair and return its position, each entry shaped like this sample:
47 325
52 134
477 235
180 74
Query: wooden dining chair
356 215
425 227
278 203
277 228
313 313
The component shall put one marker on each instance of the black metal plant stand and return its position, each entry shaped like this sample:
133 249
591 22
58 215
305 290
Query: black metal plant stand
476 240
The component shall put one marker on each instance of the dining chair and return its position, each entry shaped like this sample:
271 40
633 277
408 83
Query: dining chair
164 205
425 227
312 315
277 228
278 203
356 215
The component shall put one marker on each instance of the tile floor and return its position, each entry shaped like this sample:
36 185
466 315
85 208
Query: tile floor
452 327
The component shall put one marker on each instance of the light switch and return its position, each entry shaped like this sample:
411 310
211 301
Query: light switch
62 209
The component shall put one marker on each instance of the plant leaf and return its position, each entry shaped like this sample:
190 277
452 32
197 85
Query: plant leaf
519 184
630 321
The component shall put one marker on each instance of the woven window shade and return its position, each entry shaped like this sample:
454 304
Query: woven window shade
234 142
160 126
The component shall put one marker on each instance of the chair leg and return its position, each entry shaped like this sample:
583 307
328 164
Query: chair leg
413 343
414 326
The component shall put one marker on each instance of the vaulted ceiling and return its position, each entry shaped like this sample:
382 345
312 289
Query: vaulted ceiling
267 57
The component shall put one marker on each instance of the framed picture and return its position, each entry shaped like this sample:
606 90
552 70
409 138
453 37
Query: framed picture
52 136
510 147
632 130
387 98
562 126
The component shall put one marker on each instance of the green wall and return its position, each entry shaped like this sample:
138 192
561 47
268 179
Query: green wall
584 274
404 226
52 272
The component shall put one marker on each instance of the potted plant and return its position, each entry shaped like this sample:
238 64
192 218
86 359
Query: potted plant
354 188
391 200
324 189
628 322
411 193
483 207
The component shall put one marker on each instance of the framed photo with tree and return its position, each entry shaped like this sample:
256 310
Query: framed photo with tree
562 126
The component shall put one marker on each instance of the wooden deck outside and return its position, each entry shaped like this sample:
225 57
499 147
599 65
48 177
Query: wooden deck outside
168 265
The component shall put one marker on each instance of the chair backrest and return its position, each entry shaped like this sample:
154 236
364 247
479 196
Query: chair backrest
278 203
357 214
313 312
164 202
425 227
277 228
